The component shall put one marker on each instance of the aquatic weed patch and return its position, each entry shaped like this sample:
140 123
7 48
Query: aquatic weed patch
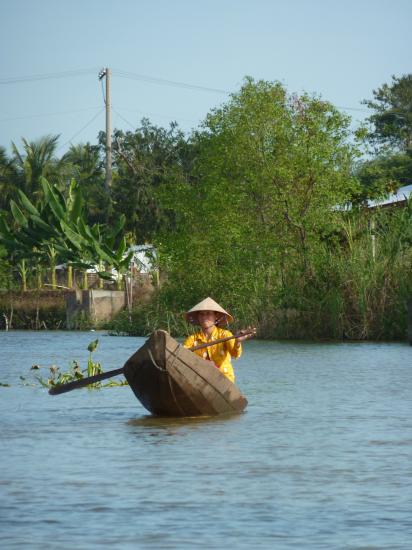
56 376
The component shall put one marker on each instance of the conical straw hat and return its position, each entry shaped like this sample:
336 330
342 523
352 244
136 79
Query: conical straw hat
208 305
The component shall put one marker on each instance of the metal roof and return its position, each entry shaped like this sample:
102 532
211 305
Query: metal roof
400 196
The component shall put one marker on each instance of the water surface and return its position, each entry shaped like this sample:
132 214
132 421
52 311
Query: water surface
322 457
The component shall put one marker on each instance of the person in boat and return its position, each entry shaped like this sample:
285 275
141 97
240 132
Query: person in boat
211 318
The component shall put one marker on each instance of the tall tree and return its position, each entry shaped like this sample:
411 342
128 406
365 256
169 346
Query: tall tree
390 133
145 160
8 179
392 118
270 170
38 159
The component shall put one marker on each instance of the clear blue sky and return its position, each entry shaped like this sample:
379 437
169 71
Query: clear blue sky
340 50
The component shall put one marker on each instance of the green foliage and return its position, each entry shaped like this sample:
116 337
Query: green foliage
383 175
372 289
5 269
92 346
145 160
8 179
57 377
86 166
258 228
392 119
270 169
37 160
249 209
390 132
145 319
55 230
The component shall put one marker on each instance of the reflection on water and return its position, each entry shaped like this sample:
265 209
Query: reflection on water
321 458
158 427
188 422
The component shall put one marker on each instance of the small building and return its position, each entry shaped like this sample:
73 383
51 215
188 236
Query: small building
143 259
399 198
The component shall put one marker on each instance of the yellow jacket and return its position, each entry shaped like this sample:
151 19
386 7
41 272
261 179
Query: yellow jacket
220 354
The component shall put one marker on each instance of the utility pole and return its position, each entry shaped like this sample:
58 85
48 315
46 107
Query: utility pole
106 73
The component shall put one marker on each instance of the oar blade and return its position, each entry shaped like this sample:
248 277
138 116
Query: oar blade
63 388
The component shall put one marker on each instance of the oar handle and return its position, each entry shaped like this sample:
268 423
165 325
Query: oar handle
220 340
63 388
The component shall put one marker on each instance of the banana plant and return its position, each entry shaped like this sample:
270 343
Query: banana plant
19 248
56 230
93 246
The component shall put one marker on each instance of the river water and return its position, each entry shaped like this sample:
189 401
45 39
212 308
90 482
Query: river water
322 457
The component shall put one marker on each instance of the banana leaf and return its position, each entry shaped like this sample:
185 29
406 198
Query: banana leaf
18 214
84 229
53 202
106 275
28 205
76 239
103 255
76 206
42 224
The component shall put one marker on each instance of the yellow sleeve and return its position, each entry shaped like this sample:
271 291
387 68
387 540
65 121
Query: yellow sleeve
234 350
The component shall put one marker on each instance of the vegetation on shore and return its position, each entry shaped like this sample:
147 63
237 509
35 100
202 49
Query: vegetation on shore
264 207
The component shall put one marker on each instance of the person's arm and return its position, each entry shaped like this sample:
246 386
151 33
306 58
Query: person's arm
234 347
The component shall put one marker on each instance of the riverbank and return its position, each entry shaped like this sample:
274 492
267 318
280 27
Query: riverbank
33 310
47 309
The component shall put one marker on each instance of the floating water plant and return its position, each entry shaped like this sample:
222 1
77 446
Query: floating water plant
56 376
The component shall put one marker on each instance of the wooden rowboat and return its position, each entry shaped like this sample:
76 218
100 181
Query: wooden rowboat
170 380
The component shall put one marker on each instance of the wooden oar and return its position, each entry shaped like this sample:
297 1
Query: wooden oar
63 388
220 340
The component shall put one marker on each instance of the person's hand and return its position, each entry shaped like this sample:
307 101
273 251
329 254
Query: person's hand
246 334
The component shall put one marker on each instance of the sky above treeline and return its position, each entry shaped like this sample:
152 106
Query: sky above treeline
177 60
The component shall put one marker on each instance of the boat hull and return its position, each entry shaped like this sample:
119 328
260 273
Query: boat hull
170 380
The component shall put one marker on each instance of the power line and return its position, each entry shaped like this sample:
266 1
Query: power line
81 129
124 119
132 76
46 76
353 109
165 82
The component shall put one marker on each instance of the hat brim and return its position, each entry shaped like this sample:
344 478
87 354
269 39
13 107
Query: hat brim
223 319
208 304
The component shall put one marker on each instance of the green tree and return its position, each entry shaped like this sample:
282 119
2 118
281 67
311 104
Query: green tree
145 160
8 179
37 160
5 269
392 118
270 171
390 132
383 175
